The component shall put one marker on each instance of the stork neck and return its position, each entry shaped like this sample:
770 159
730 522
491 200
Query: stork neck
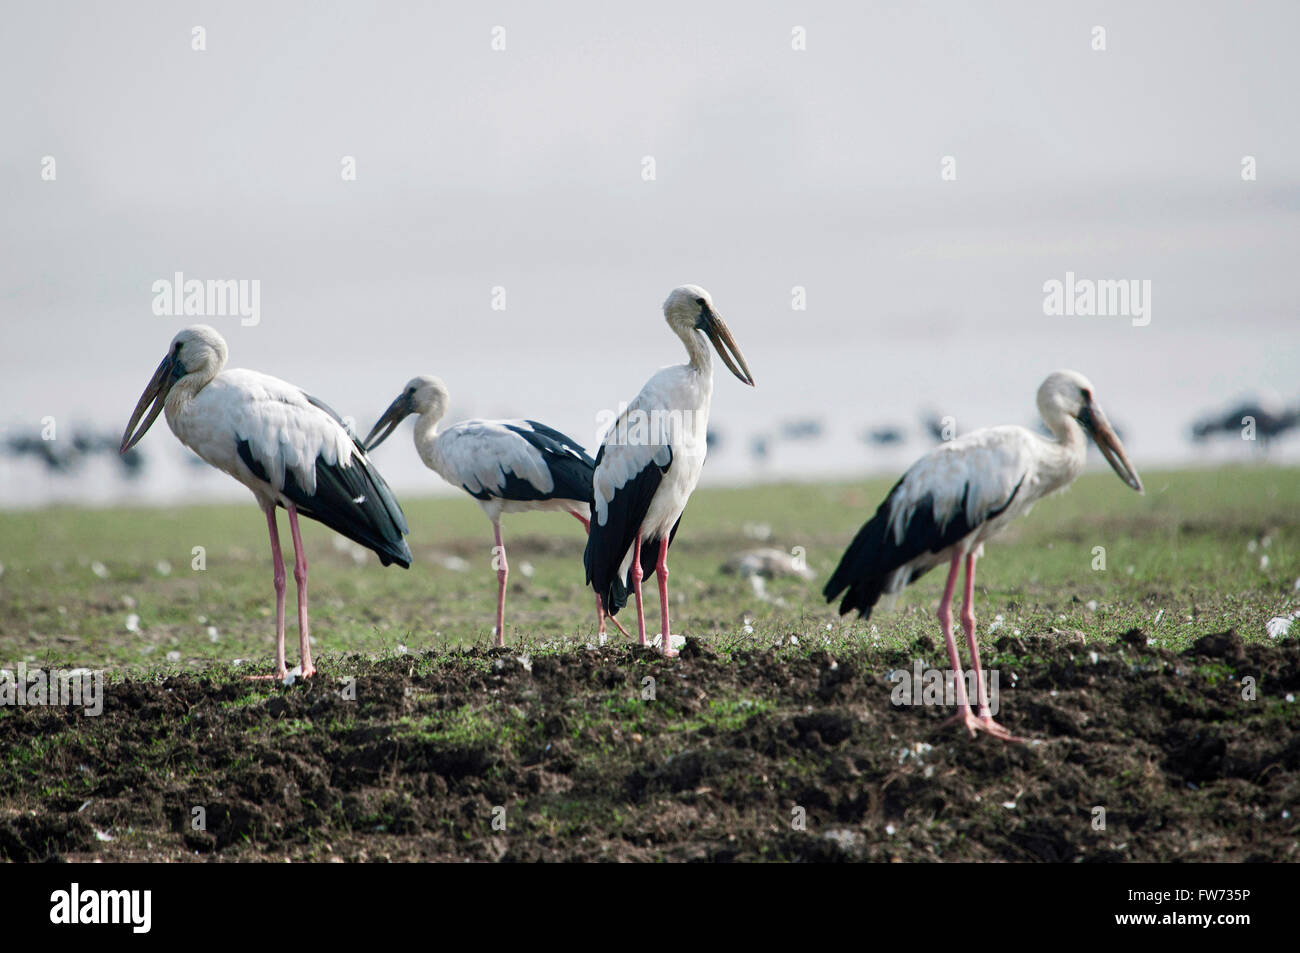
426 434
183 391
1068 451
697 350
1069 433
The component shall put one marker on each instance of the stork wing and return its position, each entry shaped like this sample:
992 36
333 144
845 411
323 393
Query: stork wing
963 483
515 460
942 499
627 476
307 455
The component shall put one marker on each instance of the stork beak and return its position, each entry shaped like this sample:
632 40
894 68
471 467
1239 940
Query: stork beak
1098 427
397 411
711 323
167 374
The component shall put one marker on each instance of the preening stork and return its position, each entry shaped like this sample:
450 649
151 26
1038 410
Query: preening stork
508 466
289 448
650 461
963 493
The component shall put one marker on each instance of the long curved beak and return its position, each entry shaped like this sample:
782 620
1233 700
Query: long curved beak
159 386
1094 421
397 411
725 345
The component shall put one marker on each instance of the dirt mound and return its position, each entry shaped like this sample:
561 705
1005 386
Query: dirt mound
1135 753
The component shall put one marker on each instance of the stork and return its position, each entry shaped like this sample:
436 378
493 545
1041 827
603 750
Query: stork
286 446
650 461
508 466
960 495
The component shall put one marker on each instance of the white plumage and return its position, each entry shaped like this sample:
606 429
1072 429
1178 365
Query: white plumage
284 431
650 461
481 455
981 481
676 438
508 466
288 448
963 493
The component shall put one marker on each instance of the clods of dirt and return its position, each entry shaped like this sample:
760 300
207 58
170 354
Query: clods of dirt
1133 753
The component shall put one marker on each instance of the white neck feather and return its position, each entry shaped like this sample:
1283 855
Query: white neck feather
1065 456
426 436
700 358
183 391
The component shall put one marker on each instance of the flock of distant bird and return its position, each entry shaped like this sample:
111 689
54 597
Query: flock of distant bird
64 456
1271 420
292 451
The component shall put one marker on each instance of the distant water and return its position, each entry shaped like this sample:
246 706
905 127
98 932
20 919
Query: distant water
777 170
937 321
1155 430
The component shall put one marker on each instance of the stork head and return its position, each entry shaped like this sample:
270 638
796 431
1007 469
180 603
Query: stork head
422 395
196 354
690 309
1068 395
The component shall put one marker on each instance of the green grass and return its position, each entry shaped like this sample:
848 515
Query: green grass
1189 552
467 726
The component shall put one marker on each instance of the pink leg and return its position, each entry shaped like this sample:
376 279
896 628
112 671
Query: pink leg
300 577
945 623
503 572
636 586
661 570
277 561
600 606
985 716
601 617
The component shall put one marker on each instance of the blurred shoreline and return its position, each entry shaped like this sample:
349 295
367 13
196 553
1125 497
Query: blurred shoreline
215 488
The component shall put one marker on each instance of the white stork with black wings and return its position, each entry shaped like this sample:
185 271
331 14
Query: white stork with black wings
287 447
508 466
650 461
963 493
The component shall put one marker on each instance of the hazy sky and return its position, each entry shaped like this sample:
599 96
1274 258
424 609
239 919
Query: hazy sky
775 167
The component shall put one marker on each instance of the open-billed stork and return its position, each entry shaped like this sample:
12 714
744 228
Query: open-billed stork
289 448
650 461
963 493
508 466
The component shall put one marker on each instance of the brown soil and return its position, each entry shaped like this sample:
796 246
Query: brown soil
716 767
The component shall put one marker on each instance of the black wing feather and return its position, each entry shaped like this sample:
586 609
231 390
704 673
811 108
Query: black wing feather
608 544
377 522
570 467
874 555
332 413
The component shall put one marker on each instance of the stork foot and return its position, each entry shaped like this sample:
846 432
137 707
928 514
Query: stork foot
284 676
975 724
675 642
